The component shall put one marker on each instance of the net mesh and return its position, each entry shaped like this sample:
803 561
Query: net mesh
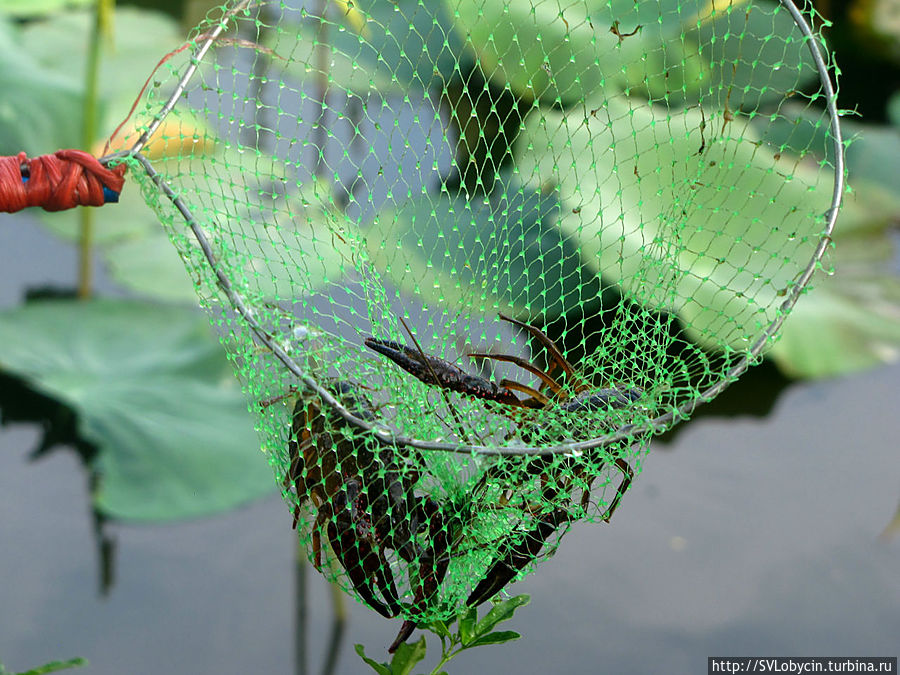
469 256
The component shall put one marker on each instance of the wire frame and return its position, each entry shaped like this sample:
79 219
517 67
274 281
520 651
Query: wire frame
209 36
637 160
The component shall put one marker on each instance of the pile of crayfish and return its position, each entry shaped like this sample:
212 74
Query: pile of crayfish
364 492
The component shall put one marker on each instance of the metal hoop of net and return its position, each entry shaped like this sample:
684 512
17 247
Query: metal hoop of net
469 256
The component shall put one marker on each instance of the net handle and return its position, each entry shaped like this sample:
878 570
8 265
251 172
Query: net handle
627 433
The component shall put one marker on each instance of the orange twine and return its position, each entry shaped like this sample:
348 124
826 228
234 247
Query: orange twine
63 180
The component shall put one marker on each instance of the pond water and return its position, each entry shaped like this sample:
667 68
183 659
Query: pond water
743 535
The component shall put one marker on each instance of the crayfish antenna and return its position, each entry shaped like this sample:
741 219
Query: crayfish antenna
552 384
541 337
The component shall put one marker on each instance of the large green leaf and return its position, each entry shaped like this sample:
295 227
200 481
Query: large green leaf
40 109
153 391
658 54
500 251
735 54
872 151
303 57
299 246
29 9
276 235
546 51
141 38
677 222
757 54
368 46
555 51
713 226
851 321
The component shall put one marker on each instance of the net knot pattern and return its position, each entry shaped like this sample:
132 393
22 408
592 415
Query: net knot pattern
469 256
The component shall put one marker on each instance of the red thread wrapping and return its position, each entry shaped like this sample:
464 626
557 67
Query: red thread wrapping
63 180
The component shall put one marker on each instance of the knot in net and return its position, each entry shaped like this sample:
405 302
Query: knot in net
469 256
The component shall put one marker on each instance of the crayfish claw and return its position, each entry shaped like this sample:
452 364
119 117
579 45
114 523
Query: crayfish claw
405 631
366 568
504 570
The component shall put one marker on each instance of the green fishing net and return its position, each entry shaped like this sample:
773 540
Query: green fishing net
469 256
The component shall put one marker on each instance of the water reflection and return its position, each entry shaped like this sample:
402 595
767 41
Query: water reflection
748 536
753 536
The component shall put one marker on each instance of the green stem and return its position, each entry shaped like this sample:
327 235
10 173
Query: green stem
103 15
444 658
338 625
300 643
338 621
338 604
447 653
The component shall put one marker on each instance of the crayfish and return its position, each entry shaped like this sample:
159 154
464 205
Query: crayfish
558 477
365 504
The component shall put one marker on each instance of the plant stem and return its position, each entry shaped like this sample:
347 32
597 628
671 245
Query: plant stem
446 656
338 624
300 610
103 15
447 653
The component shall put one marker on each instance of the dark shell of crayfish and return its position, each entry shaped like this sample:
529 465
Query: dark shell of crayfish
438 372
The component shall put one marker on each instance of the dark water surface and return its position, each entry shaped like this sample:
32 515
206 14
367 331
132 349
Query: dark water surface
743 536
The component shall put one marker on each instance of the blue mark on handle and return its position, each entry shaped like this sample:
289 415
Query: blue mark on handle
109 196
